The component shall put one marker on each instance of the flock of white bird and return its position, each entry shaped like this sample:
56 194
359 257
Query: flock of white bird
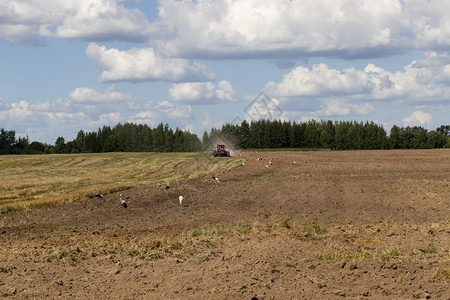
216 180
271 163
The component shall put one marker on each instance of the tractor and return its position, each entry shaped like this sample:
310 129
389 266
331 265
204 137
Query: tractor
221 151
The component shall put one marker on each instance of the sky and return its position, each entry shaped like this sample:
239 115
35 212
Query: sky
70 65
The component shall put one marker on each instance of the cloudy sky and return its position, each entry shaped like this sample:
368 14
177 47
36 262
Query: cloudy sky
69 65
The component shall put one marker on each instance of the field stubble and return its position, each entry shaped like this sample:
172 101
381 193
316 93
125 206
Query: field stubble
33 181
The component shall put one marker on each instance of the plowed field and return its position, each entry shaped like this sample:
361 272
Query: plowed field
351 224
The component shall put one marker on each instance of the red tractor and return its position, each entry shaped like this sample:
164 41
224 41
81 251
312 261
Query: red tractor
221 151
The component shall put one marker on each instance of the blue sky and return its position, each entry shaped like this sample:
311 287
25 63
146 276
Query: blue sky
70 65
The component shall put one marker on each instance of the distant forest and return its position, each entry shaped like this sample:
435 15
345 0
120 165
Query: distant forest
262 134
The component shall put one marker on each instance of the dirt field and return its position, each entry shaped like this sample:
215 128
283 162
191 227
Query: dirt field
353 224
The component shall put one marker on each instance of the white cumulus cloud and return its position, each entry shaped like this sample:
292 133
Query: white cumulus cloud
20 110
202 92
47 120
162 112
143 65
108 118
418 118
331 92
282 28
264 107
429 23
31 20
339 108
320 80
87 95
271 30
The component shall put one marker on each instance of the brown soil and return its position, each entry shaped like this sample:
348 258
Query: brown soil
351 224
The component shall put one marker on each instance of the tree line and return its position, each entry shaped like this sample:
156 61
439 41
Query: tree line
130 137
340 135
126 137
261 134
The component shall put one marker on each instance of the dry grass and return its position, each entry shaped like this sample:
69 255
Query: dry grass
442 272
30 181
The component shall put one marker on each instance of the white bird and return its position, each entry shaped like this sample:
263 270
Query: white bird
181 199
242 164
293 163
267 166
100 196
270 163
167 186
216 179
123 202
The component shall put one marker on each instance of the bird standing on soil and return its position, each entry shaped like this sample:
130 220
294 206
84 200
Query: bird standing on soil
181 199
123 202
100 196
293 163
267 166
216 179
167 186
242 164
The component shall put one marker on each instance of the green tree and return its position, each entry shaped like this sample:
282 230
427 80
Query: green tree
71 147
80 141
382 140
447 143
340 137
21 145
36 148
435 139
7 141
372 136
91 143
110 144
60 145
327 134
159 138
206 140
296 136
145 137
106 139
168 143
256 134
191 142
444 130
405 137
244 132
394 137
178 141
419 140
311 134
326 139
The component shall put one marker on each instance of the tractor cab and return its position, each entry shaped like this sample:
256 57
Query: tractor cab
221 151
